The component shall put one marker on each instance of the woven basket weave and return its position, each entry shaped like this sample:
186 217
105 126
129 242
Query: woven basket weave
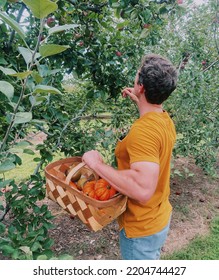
93 213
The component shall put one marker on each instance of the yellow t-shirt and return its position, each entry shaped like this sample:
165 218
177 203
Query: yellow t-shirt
151 139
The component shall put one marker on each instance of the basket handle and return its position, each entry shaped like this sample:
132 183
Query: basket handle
75 169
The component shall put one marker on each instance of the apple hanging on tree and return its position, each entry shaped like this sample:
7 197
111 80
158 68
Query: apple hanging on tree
50 22
147 25
81 43
118 53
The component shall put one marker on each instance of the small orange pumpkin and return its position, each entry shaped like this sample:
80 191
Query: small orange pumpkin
88 189
72 184
103 190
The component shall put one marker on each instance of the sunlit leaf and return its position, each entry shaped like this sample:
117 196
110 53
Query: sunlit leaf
23 117
13 24
22 75
2 3
7 71
6 165
45 89
51 49
41 8
28 54
7 89
62 28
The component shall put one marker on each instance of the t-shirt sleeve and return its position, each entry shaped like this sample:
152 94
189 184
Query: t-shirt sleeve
143 144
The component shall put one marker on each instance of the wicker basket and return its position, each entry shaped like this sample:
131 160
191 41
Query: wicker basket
93 213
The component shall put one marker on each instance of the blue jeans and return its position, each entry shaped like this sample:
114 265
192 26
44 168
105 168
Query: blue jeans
142 248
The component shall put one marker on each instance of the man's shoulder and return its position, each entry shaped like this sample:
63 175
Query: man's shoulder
155 125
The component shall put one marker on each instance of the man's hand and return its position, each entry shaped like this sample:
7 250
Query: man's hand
131 93
92 158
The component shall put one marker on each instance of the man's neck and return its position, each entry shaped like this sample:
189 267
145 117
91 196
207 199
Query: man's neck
145 107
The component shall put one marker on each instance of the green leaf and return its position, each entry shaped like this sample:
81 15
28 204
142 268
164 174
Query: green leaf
36 246
3 184
41 8
115 5
23 117
42 122
42 257
2 228
51 49
37 159
62 28
15 254
6 165
22 75
144 33
28 151
45 89
65 257
28 54
13 24
37 78
27 252
122 24
25 249
37 100
2 3
7 89
7 71
7 249
3 61
104 24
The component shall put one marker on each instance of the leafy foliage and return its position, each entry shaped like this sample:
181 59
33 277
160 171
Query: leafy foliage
96 46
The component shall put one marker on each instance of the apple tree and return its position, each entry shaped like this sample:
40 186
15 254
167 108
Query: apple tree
191 40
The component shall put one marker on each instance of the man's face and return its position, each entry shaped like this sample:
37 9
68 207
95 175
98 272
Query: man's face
136 85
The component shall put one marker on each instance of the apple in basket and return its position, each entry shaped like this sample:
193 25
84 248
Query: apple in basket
77 175
72 184
80 177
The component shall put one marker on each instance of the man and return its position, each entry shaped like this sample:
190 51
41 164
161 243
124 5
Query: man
143 158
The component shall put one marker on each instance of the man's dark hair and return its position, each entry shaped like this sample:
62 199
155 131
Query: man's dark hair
159 78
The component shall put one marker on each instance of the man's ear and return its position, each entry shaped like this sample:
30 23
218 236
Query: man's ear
141 88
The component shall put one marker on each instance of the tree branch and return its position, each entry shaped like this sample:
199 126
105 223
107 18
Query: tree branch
212 64
20 13
6 210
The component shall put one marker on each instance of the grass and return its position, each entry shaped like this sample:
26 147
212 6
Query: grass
201 248
22 172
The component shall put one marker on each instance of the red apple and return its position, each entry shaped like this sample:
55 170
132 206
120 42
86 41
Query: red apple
118 53
81 43
50 22
146 25
180 2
